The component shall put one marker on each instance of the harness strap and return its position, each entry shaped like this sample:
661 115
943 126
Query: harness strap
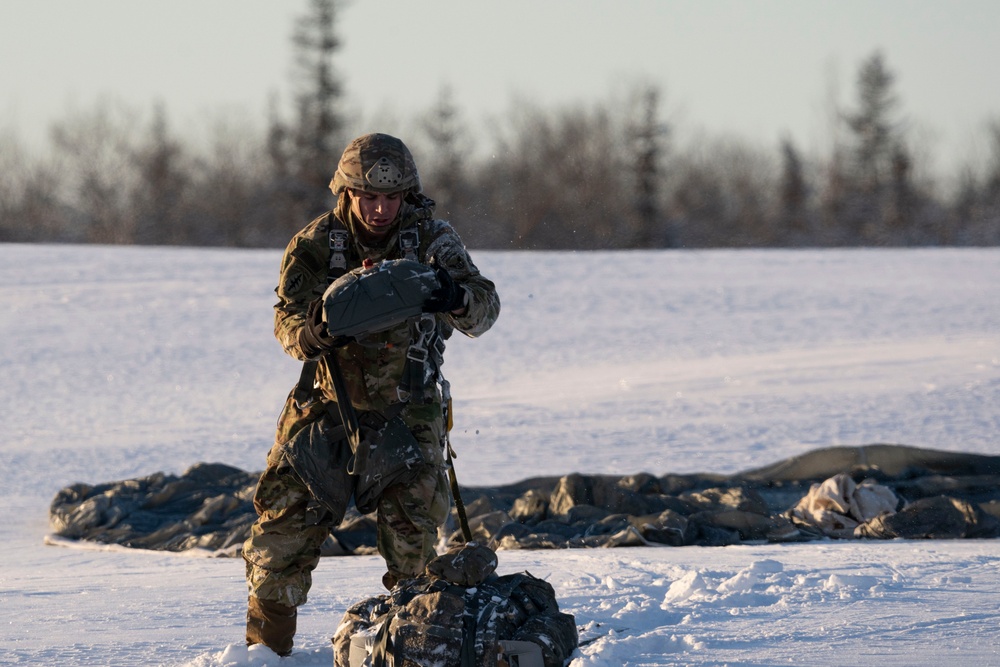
409 243
423 359
467 653
338 252
303 393
348 416
382 650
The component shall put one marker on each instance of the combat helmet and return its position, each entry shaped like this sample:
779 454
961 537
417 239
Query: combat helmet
376 163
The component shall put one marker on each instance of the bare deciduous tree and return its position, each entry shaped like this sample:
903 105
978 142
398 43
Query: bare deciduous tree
96 168
29 210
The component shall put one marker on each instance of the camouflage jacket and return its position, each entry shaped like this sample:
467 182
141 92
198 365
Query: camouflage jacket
373 365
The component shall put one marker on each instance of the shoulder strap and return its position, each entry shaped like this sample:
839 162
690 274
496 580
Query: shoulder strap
337 267
409 243
338 249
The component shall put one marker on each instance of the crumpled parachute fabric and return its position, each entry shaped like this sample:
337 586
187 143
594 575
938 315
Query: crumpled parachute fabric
938 494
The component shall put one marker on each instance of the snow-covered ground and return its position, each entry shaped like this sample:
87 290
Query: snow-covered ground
120 362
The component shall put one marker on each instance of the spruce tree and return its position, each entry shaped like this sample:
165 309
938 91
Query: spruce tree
318 135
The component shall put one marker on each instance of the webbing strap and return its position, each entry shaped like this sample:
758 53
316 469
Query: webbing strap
467 654
338 252
303 393
423 359
382 649
348 416
409 243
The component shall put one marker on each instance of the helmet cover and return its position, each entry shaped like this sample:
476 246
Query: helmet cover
376 163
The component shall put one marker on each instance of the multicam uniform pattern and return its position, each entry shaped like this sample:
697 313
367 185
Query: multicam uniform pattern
284 545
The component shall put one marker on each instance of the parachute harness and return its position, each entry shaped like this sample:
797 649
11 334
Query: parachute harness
424 356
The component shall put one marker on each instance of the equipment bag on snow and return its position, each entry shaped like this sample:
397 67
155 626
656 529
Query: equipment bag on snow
459 612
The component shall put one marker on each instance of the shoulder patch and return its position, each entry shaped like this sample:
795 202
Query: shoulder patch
455 263
447 250
293 282
307 252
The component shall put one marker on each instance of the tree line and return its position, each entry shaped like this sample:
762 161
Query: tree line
607 175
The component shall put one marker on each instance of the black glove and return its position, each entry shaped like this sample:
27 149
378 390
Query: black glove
314 339
449 296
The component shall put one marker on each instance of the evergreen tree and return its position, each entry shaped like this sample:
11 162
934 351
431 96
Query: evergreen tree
280 212
448 174
984 226
991 186
318 136
875 133
794 191
875 211
647 134
900 199
446 166
161 188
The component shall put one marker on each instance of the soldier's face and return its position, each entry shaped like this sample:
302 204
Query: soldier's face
376 212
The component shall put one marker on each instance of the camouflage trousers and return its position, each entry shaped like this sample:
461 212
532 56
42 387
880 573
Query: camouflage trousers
284 544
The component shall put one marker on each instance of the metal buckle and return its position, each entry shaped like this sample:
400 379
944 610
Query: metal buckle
338 249
409 241
305 406
418 354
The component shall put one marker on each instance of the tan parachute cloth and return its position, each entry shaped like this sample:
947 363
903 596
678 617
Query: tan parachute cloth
839 505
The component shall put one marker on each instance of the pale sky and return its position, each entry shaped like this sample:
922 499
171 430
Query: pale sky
754 69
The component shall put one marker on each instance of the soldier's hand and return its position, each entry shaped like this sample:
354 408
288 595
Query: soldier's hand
449 297
314 339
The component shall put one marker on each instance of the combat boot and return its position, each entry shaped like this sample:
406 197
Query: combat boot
271 624
390 579
393 577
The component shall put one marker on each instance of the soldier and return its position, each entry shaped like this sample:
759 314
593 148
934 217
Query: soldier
380 215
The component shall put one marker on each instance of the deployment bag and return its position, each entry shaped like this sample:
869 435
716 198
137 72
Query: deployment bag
372 299
386 454
320 455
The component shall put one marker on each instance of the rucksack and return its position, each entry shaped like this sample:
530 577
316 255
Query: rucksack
472 618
